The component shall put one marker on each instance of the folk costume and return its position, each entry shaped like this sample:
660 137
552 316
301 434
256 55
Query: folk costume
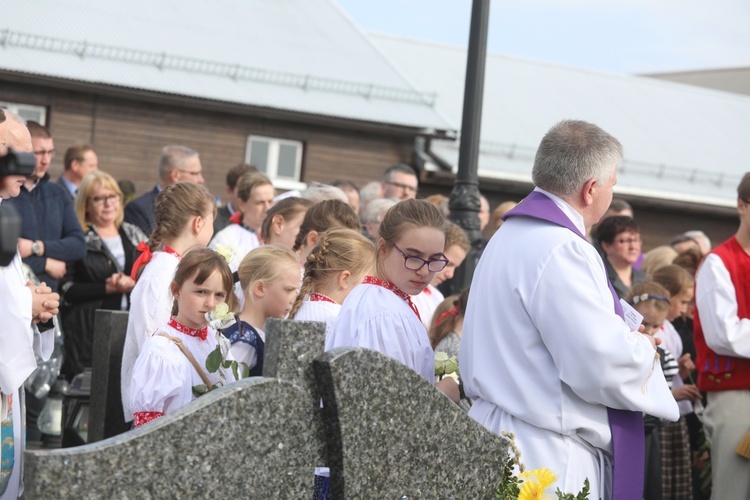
248 345
722 342
164 376
150 307
319 307
545 356
379 316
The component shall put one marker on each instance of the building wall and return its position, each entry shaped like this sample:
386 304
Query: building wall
128 136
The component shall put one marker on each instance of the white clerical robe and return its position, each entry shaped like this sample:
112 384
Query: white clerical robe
427 301
543 354
319 310
150 307
20 344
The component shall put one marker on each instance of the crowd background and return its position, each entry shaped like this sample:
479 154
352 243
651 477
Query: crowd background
90 238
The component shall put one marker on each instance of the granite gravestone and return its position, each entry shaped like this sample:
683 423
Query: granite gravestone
390 434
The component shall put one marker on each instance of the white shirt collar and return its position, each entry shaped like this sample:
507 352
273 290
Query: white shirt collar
572 214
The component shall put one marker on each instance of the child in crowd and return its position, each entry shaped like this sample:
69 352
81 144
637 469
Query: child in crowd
446 327
269 277
338 262
283 221
254 197
652 301
321 217
184 219
379 313
173 360
673 436
456 248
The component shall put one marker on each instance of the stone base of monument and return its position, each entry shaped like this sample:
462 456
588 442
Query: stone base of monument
384 431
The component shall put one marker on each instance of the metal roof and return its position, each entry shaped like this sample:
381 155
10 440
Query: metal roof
304 56
681 143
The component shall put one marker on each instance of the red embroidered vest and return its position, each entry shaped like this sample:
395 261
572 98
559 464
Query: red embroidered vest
726 373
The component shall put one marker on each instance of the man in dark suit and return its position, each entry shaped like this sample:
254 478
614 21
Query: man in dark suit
224 213
177 163
79 161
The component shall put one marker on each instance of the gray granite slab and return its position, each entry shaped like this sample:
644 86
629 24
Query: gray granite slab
250 439
391 434
105 414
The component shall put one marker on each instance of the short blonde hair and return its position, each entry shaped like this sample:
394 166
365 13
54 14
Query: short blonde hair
93 180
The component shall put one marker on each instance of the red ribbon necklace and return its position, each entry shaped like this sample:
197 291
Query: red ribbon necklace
319 297
200 333
372 280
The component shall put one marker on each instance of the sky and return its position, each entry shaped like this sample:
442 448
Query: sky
613 36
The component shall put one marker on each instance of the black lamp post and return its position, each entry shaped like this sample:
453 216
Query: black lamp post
464 200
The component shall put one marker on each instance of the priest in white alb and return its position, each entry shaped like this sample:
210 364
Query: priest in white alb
545 353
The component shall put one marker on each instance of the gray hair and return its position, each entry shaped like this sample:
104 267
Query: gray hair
173 157
317 192
376 209
572 153
699 236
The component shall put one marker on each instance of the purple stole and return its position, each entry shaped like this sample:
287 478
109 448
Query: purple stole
626 426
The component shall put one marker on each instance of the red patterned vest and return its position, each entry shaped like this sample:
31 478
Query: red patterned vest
725 373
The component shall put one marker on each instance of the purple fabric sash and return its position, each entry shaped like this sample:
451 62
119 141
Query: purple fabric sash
626 426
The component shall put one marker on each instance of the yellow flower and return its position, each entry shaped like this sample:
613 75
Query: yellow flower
535 482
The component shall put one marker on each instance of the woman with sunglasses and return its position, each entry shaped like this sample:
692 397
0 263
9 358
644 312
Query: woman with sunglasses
379 313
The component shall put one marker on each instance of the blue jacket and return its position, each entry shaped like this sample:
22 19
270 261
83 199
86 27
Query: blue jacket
47 215
141 211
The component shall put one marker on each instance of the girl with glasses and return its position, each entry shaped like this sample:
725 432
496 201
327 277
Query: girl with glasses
379 313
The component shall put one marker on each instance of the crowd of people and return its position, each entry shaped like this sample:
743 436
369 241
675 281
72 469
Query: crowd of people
543 350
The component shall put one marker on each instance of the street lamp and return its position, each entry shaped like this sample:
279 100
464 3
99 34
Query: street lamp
464 201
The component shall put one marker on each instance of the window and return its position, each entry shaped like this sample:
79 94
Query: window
279 159
27 111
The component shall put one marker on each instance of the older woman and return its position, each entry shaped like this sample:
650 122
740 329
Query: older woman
102 279
620 239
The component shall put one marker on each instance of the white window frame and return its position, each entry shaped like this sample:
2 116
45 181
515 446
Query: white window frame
19 108
272 162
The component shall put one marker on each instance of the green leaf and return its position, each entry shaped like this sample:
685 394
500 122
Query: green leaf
213 361
235 370
227 363
245 370
199 390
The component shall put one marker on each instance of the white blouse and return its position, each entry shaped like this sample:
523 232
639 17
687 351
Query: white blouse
319 310
163 377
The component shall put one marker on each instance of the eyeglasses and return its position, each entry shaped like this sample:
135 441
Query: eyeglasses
101 200
405 187
41 154
628 241
414 263
199 173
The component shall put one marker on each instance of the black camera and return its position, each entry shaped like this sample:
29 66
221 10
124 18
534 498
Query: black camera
13 163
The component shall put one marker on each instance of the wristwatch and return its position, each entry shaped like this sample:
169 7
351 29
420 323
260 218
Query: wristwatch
36 249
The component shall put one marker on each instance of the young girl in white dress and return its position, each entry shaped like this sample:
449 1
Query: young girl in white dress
184 219
339 261
379 314
173 360
269 277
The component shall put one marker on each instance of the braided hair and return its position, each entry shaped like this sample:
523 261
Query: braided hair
337 250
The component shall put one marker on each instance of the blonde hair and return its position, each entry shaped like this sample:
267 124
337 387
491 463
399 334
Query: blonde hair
652 290
455 236
199 264
657 258
674 278
92 180
175 205
339 249
265 263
